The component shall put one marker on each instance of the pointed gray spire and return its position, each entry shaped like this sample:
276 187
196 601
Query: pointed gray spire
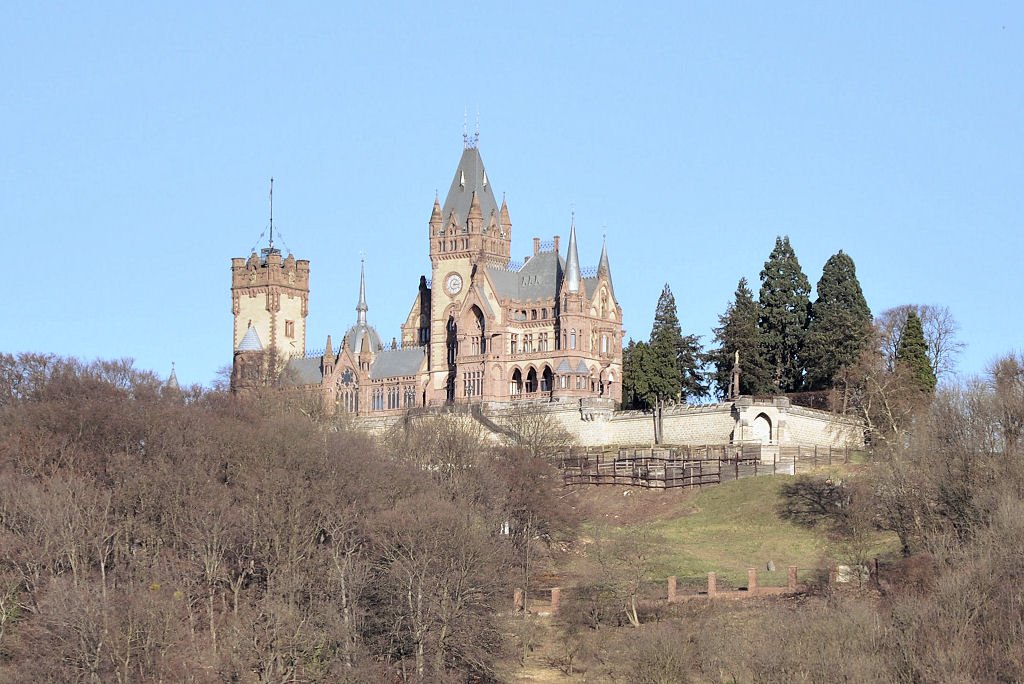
361 307
572 260
603 266
172 380
250 342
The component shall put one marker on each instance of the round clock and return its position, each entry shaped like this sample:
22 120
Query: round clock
453 283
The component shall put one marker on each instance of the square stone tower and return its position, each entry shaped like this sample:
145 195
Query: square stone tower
271 295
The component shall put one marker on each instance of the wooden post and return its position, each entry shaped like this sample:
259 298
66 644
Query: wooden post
556 599
671 588
518 604
751 580
792 578
712 585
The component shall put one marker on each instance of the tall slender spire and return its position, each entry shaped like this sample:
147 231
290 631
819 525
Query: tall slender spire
435 215
572 260
361 307
474 208
603 266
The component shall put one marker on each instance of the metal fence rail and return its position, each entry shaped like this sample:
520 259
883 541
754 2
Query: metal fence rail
692 466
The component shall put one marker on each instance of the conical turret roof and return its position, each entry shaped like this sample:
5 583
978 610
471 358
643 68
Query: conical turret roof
603 267
572 261
172 380
470 178
435 214
250 341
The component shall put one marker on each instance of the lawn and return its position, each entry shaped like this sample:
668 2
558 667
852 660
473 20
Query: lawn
725 529
734 527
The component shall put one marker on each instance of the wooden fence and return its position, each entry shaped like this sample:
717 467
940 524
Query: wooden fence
692 466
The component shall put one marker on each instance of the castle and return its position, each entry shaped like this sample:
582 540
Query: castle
480 329
488 333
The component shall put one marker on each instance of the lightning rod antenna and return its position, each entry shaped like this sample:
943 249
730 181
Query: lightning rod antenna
271 213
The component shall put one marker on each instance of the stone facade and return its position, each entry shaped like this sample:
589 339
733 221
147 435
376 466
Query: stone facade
486 333
480 329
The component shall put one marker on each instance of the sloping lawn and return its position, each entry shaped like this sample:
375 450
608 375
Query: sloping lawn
736 527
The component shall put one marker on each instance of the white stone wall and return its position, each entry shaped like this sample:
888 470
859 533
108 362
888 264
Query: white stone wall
595 424
809 427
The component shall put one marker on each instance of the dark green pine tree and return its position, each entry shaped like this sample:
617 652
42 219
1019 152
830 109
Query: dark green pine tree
912 354
678 359
632 365
840 326
648 385
785 305
737 331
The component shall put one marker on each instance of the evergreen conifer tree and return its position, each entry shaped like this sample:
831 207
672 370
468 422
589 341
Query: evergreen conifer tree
644 377
912 354
839 329
737 331
632 363
678 359
784 308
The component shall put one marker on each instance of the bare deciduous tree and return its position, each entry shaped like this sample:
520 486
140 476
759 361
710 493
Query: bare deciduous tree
940 333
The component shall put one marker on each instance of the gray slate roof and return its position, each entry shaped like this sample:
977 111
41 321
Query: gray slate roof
460 196
539 278
251 341
393 363
302 371
359 332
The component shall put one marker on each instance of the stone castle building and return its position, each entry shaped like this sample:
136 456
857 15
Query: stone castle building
487 333
480 329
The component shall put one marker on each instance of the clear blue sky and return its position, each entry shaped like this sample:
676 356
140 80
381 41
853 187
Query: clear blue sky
138 142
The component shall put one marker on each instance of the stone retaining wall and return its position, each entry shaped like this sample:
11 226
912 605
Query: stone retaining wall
596 423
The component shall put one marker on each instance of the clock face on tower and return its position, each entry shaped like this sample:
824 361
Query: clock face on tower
453 284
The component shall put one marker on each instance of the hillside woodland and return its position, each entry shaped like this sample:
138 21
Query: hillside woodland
151 534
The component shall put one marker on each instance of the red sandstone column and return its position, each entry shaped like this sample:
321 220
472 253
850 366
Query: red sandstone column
712 585
751 580
556 599
671 588
792 578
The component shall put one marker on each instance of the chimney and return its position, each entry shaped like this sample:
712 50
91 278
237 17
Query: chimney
536 246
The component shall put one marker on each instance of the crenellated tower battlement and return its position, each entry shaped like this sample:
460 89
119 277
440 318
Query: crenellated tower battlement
271 294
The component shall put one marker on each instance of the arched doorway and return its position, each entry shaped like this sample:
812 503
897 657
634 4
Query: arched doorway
516 386
547 380
531 381
479 336
452 340
761 429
